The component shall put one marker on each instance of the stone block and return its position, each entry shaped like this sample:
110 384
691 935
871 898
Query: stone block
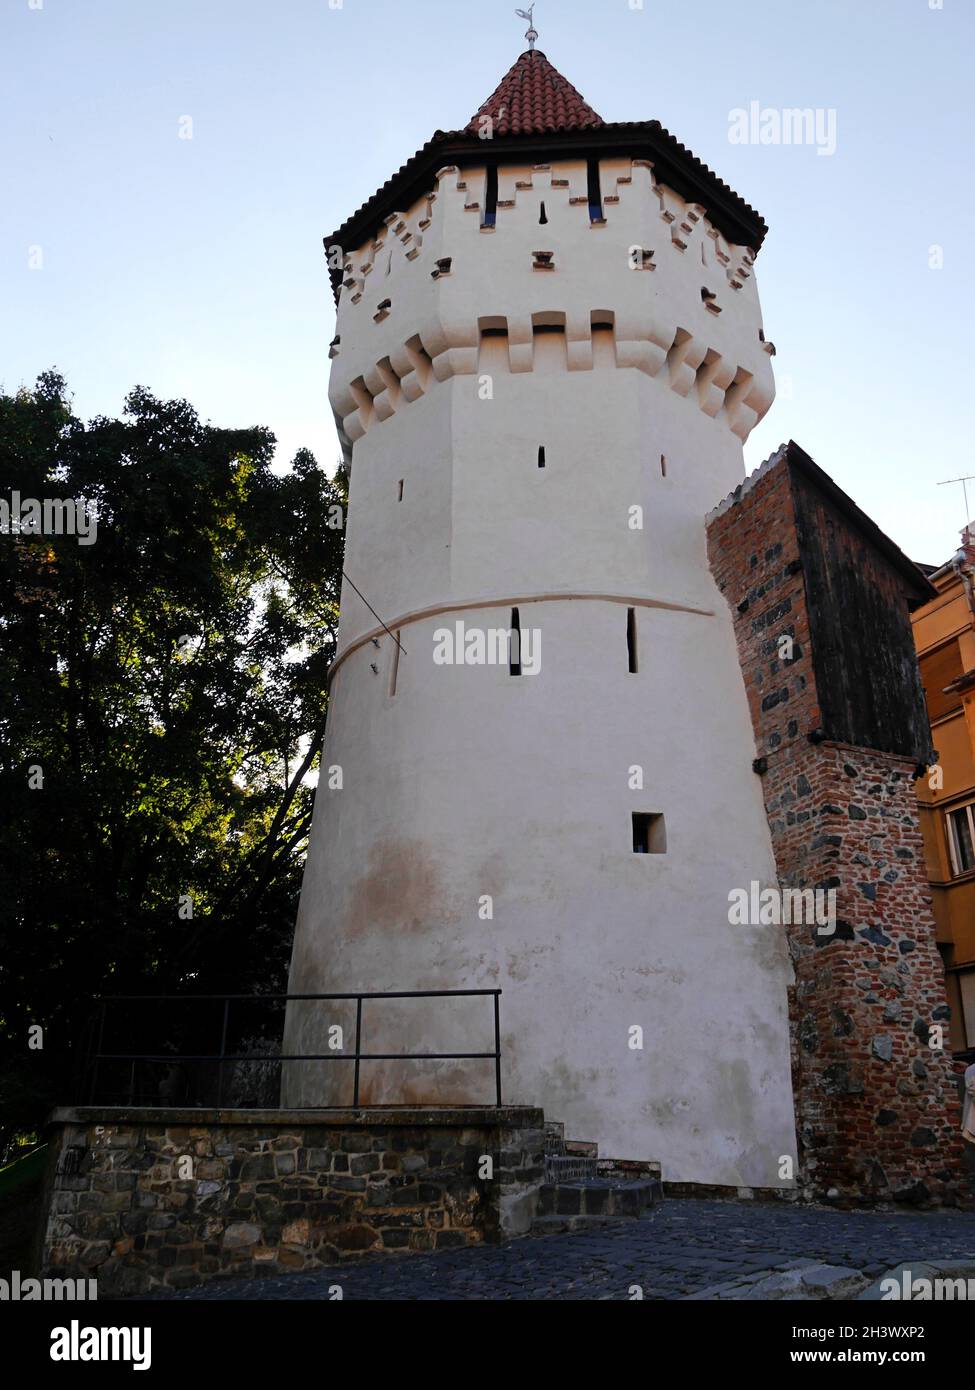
364 1163
356 1143
256 1168
394 1239
296 1232
353 1238
240 1234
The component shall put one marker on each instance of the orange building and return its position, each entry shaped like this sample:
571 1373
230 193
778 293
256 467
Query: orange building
944 631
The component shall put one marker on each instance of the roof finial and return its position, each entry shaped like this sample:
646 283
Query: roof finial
532 34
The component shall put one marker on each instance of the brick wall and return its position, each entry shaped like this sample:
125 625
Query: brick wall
876 1105
147 1199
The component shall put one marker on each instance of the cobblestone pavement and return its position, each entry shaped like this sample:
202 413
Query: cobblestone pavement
682 1247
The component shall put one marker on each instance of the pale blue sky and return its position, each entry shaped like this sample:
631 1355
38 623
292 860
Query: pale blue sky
195 267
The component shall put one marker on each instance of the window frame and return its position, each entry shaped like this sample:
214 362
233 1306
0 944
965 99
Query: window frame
950 834
966 1012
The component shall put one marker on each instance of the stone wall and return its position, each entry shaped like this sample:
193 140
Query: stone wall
876 1104
148 1199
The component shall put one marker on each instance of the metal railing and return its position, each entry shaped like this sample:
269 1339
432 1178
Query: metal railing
96 1058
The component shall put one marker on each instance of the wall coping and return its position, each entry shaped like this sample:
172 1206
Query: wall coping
856 749
747 485
404 1116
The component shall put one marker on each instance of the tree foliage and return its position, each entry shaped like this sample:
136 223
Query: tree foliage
168 682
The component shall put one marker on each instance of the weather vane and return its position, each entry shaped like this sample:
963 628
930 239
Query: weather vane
532 34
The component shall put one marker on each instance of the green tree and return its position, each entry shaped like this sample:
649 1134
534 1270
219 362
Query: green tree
164 690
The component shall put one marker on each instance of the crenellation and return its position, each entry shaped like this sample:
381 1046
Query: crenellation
722 386
683 323
714 377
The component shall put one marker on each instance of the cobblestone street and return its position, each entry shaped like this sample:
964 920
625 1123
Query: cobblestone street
683 1247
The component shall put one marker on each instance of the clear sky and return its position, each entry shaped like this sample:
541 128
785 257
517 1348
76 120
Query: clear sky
195 266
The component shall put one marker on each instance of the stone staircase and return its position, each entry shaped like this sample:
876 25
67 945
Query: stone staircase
582 1191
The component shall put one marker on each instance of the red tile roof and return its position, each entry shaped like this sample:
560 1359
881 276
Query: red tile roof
532 98
545 118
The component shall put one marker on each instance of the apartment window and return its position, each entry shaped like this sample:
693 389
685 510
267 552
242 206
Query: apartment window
961 839
649 833
938 669
966 984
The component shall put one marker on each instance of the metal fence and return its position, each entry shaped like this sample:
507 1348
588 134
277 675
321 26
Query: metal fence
244 1069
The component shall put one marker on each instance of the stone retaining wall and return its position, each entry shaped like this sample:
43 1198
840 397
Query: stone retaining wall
148 1199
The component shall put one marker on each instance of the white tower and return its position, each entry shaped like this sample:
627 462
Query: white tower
549 353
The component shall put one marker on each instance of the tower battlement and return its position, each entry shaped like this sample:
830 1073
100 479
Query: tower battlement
454 287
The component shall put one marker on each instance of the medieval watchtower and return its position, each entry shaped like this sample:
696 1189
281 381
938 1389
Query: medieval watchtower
549 352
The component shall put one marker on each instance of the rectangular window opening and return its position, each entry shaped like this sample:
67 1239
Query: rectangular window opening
400 498
961 839
394 667
663 465
966 985
649 833
940 667
541 455
631 639
490 197
514 648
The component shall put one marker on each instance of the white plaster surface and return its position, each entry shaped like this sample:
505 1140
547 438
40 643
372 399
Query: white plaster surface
471 782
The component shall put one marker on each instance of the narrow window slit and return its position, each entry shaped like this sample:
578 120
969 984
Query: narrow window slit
541 214
490 197
595 194
514 650
663 465
400 490
631 640
541 455
394 668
